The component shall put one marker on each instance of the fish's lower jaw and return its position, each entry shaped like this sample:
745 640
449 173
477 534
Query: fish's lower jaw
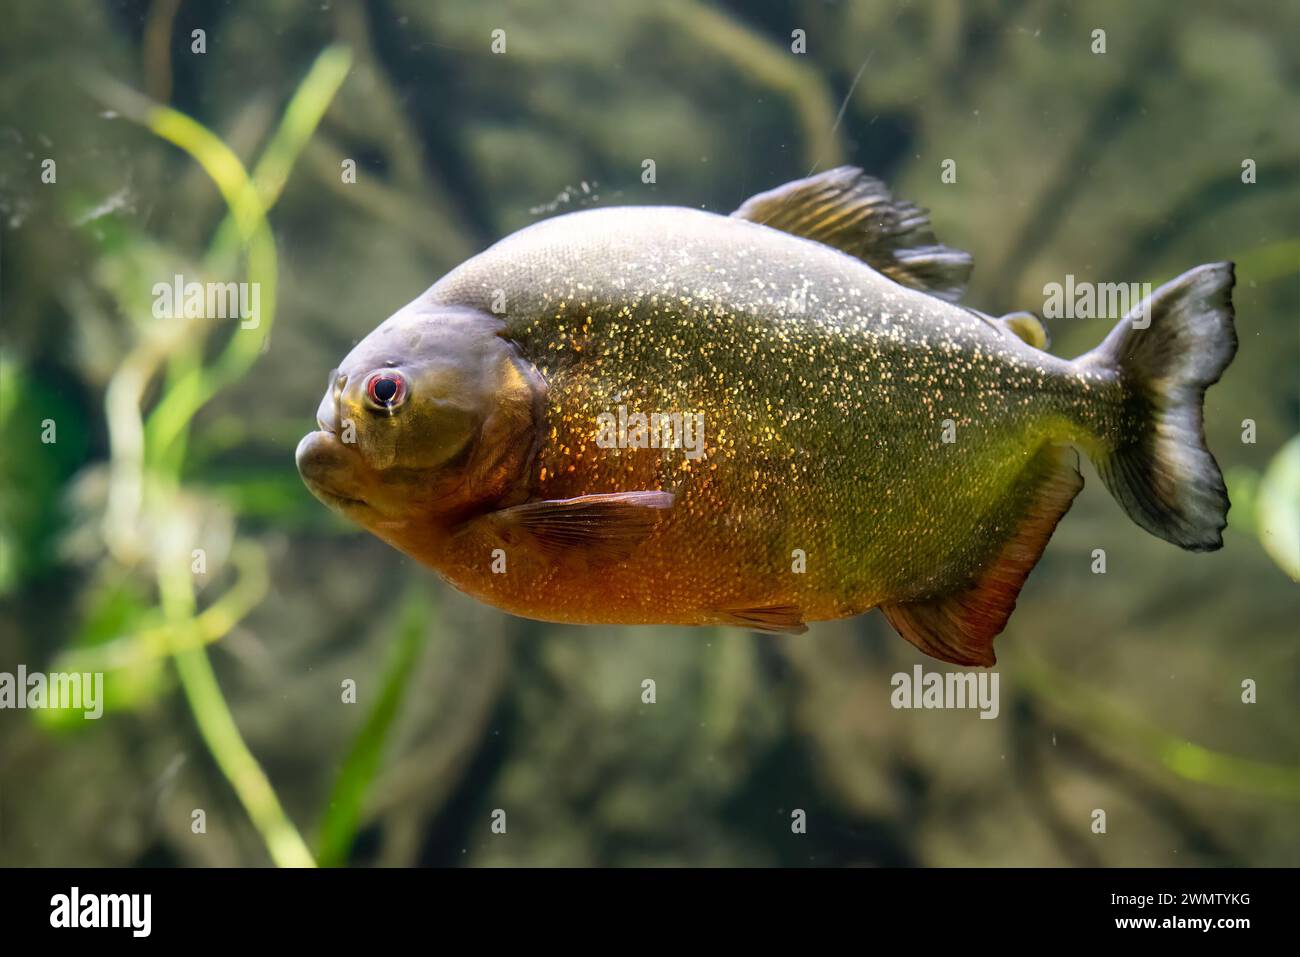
342 504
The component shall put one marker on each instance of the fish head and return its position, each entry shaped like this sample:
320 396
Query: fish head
430 418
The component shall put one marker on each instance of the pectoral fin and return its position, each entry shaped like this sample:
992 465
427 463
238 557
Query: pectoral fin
960 627
855 213
602 527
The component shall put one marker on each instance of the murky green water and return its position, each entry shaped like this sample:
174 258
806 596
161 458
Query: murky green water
153 528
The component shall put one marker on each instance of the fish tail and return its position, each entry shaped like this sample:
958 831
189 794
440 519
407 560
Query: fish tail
1165 353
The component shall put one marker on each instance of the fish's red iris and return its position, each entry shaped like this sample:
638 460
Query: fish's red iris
386 389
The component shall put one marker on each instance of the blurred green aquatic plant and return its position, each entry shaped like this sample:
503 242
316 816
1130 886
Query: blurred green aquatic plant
1101 721
150 518
32 477
1268 506
1268 262
125 633
343 815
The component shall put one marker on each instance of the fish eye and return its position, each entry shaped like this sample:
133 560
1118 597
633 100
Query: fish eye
386 390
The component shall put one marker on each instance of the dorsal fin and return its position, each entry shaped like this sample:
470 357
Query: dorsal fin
855 213
960 626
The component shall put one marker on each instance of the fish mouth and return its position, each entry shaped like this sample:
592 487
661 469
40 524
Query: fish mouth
335 499
324 465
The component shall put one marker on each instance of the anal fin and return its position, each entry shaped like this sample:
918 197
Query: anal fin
959 627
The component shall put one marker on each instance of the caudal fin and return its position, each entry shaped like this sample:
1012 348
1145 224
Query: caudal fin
1158 467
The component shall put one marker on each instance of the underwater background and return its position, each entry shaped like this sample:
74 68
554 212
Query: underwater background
226 671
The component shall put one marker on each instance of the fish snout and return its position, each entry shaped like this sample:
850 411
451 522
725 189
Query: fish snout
328 468
316 456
